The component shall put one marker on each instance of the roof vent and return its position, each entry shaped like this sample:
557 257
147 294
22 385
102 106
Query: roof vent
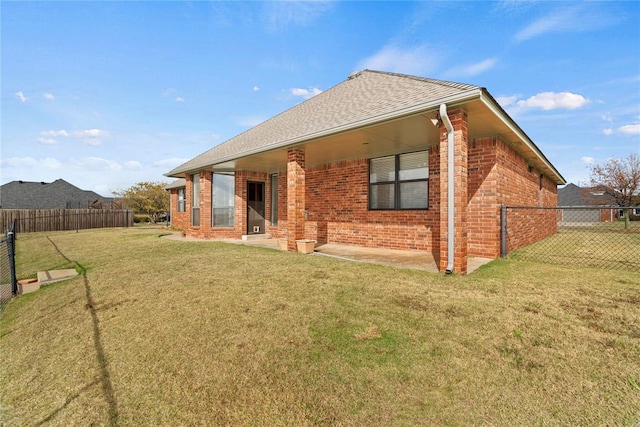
354 75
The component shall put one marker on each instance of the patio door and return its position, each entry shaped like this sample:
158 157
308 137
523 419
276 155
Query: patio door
255 208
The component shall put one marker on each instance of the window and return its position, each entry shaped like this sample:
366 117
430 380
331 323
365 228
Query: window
274 199
195 200
181 200
223 200
399 182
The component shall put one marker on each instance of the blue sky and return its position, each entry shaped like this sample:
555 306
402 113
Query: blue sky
108 94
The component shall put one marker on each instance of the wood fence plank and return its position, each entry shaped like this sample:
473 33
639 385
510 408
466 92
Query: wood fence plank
35 220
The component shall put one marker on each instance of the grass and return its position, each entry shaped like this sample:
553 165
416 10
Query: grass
162 332
590 247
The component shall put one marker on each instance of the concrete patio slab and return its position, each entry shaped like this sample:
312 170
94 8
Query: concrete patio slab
414 259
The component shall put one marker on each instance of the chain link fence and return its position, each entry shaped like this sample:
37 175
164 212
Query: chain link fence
588 236
8 282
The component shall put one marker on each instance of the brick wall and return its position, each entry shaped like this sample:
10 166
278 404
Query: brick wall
483 211
179 220
336 204
522 185
337 209
182 220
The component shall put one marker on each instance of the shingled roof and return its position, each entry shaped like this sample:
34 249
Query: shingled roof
573 195
363 97
44 195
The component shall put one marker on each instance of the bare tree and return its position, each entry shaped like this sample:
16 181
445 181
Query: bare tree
619 179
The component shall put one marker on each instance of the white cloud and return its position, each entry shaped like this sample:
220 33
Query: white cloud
180 99
506 101
555 100
89 133
474 69
607 131
89 136
170 162
55 133
256 88
418 60
306 93
132 165
48 96
47 141
580 18
96 164
21 97
630 129
283 14
30 163
169 92
588 160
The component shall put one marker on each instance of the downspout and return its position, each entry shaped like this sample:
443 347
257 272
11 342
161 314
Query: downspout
450 189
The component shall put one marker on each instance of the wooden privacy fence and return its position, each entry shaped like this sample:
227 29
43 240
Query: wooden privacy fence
33 220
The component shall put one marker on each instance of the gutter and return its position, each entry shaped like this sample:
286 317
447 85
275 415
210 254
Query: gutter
450 188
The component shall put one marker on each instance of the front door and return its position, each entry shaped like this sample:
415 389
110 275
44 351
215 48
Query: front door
255 207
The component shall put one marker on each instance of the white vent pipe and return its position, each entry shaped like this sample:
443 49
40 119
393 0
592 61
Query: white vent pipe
450 189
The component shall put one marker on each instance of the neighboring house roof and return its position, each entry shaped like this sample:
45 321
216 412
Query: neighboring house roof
178 183
366 98
42 195
573 195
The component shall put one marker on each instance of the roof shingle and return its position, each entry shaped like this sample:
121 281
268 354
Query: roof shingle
363 96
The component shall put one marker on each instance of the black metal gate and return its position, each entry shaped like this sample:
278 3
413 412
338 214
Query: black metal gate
8 282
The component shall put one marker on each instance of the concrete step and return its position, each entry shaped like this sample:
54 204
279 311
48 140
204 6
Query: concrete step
256 236
46 277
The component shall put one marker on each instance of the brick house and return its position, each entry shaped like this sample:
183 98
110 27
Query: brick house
367 163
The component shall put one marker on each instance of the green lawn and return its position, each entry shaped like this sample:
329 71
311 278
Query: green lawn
610 247
162 332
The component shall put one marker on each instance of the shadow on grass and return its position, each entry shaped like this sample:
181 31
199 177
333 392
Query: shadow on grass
105 379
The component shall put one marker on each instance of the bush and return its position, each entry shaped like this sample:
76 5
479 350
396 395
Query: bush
140 218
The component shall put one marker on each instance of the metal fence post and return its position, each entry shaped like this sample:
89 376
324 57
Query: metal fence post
11 248
503 231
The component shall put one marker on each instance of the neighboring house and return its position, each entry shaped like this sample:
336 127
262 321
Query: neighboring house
575 197
55 195
366 163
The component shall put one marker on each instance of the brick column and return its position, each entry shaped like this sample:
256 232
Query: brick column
187 202
295 197
206 178
459 121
